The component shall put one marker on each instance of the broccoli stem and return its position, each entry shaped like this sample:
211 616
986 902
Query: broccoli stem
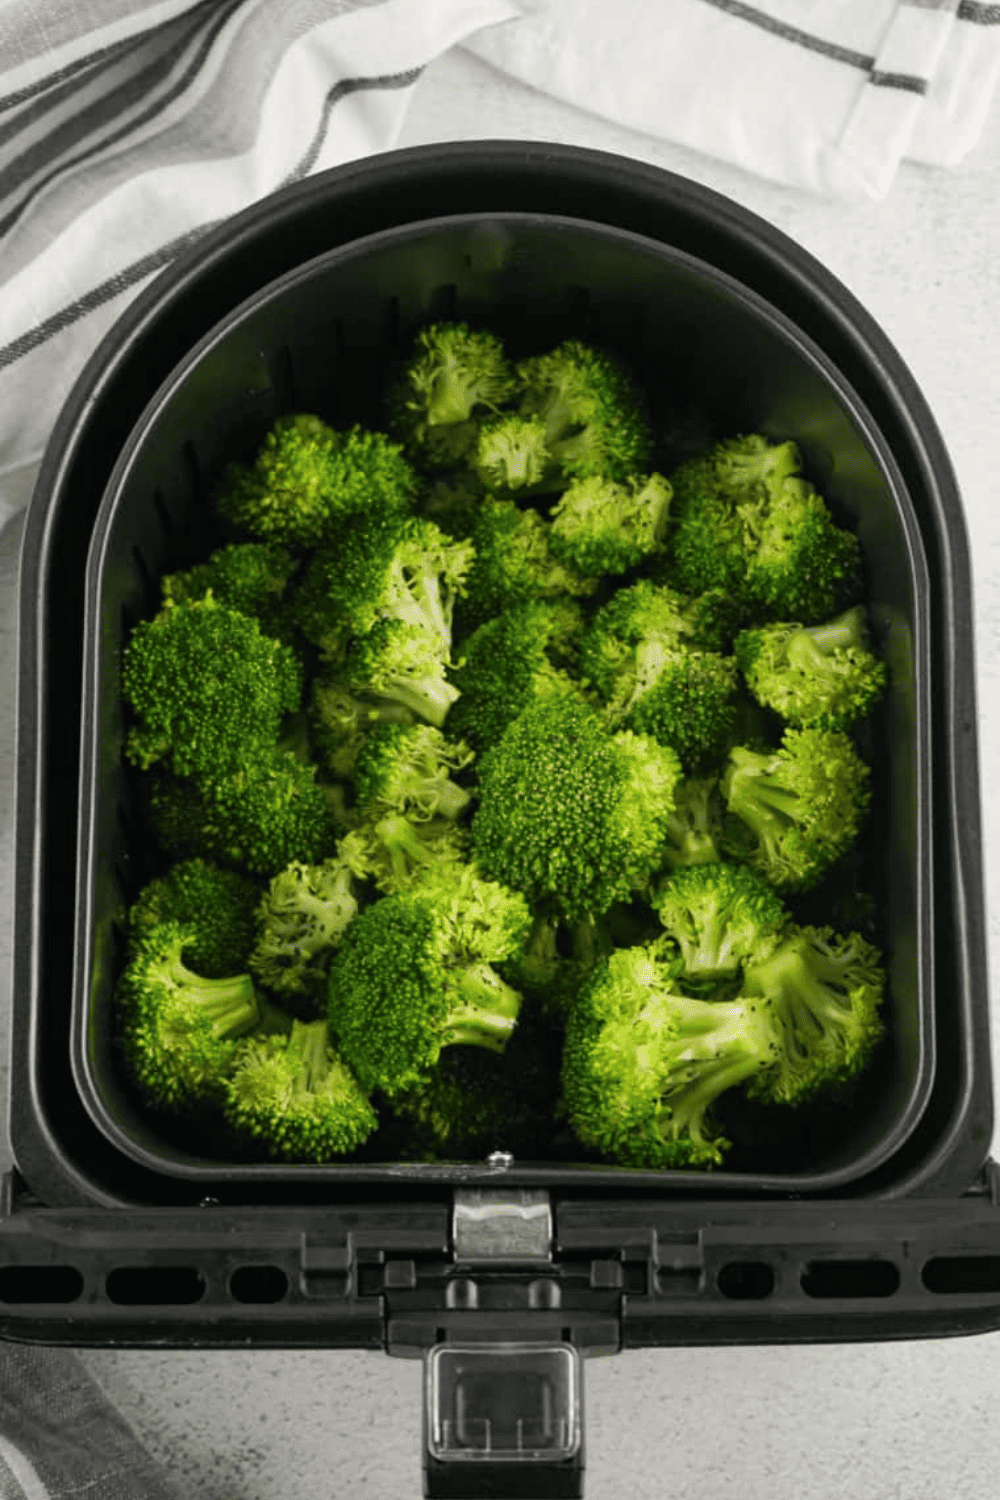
486 1010
841 634
230 1005
443 798
428 697
308 1045
450 400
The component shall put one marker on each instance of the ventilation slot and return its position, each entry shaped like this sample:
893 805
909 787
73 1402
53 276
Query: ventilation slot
746 1280
850 1278
155 1286
40 1284
258 1284
962 1273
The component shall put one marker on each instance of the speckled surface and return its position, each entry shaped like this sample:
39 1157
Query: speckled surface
908 1421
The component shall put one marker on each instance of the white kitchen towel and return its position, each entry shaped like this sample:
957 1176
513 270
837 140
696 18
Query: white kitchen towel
829 95
129 129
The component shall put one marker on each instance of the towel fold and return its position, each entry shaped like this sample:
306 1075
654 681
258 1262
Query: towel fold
829 95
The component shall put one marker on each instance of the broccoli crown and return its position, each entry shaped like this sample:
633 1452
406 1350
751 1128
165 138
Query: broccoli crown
454 374
257 820
397 850
414 973
513 563
302 918
339 722
219 906
716 498
407 768
825 991
721 917
824 676
642 612
296 1097
178 1029
601 526
307 477
246 576
570 813
643 1063
694 827
801 566
801 806
508 662
402 666
592 411
382 568
209 690
510 453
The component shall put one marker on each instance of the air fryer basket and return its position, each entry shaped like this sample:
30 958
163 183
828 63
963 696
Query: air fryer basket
322 339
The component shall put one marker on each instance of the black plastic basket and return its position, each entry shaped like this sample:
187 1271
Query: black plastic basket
113 1233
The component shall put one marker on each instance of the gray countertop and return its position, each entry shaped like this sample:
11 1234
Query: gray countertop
917 1420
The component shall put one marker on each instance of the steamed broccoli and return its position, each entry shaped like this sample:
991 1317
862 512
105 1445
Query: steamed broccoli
246 576
177 1028
398 665
399 850
643 1063
308 478
302 918
379 569
513 564
721 917
510 454
800 564
694 827
600 526
295 1097
824 676
407 769
825 992
797 809
570 813
455 376
415 973
219 906
509 662
592 411
339 721
208 689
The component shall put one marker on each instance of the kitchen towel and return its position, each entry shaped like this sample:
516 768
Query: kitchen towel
828 95
129 129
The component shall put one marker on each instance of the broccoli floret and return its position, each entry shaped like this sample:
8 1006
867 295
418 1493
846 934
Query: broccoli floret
408 769
721 917
455 375
800 564
643 1064
510 454
636 653
569 813
307 477
177 1028
415 973
382 569
798 808
246 576
209 690
452 501
694 827
592 411
258 820
296 1098
555 961
302 918
601 526
339 722
401 666
825 991
397 850
509 662
513 564
825 676
218 905
646 611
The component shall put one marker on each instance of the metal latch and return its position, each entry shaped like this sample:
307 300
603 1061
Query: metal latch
502 1226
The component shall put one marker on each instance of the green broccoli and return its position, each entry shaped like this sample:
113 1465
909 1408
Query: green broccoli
601 526
592 411
246 576
257 820
177 1028
302 918
800 564
510 455
721 917
339 721
796 809
208 689
398 665
645 611
382 568
513 564
295 1097
454 377
452 501
643 1064
218 905
408 769
825 991
399 850
307 478
694 827
824 676
509 662
569 813
415 973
